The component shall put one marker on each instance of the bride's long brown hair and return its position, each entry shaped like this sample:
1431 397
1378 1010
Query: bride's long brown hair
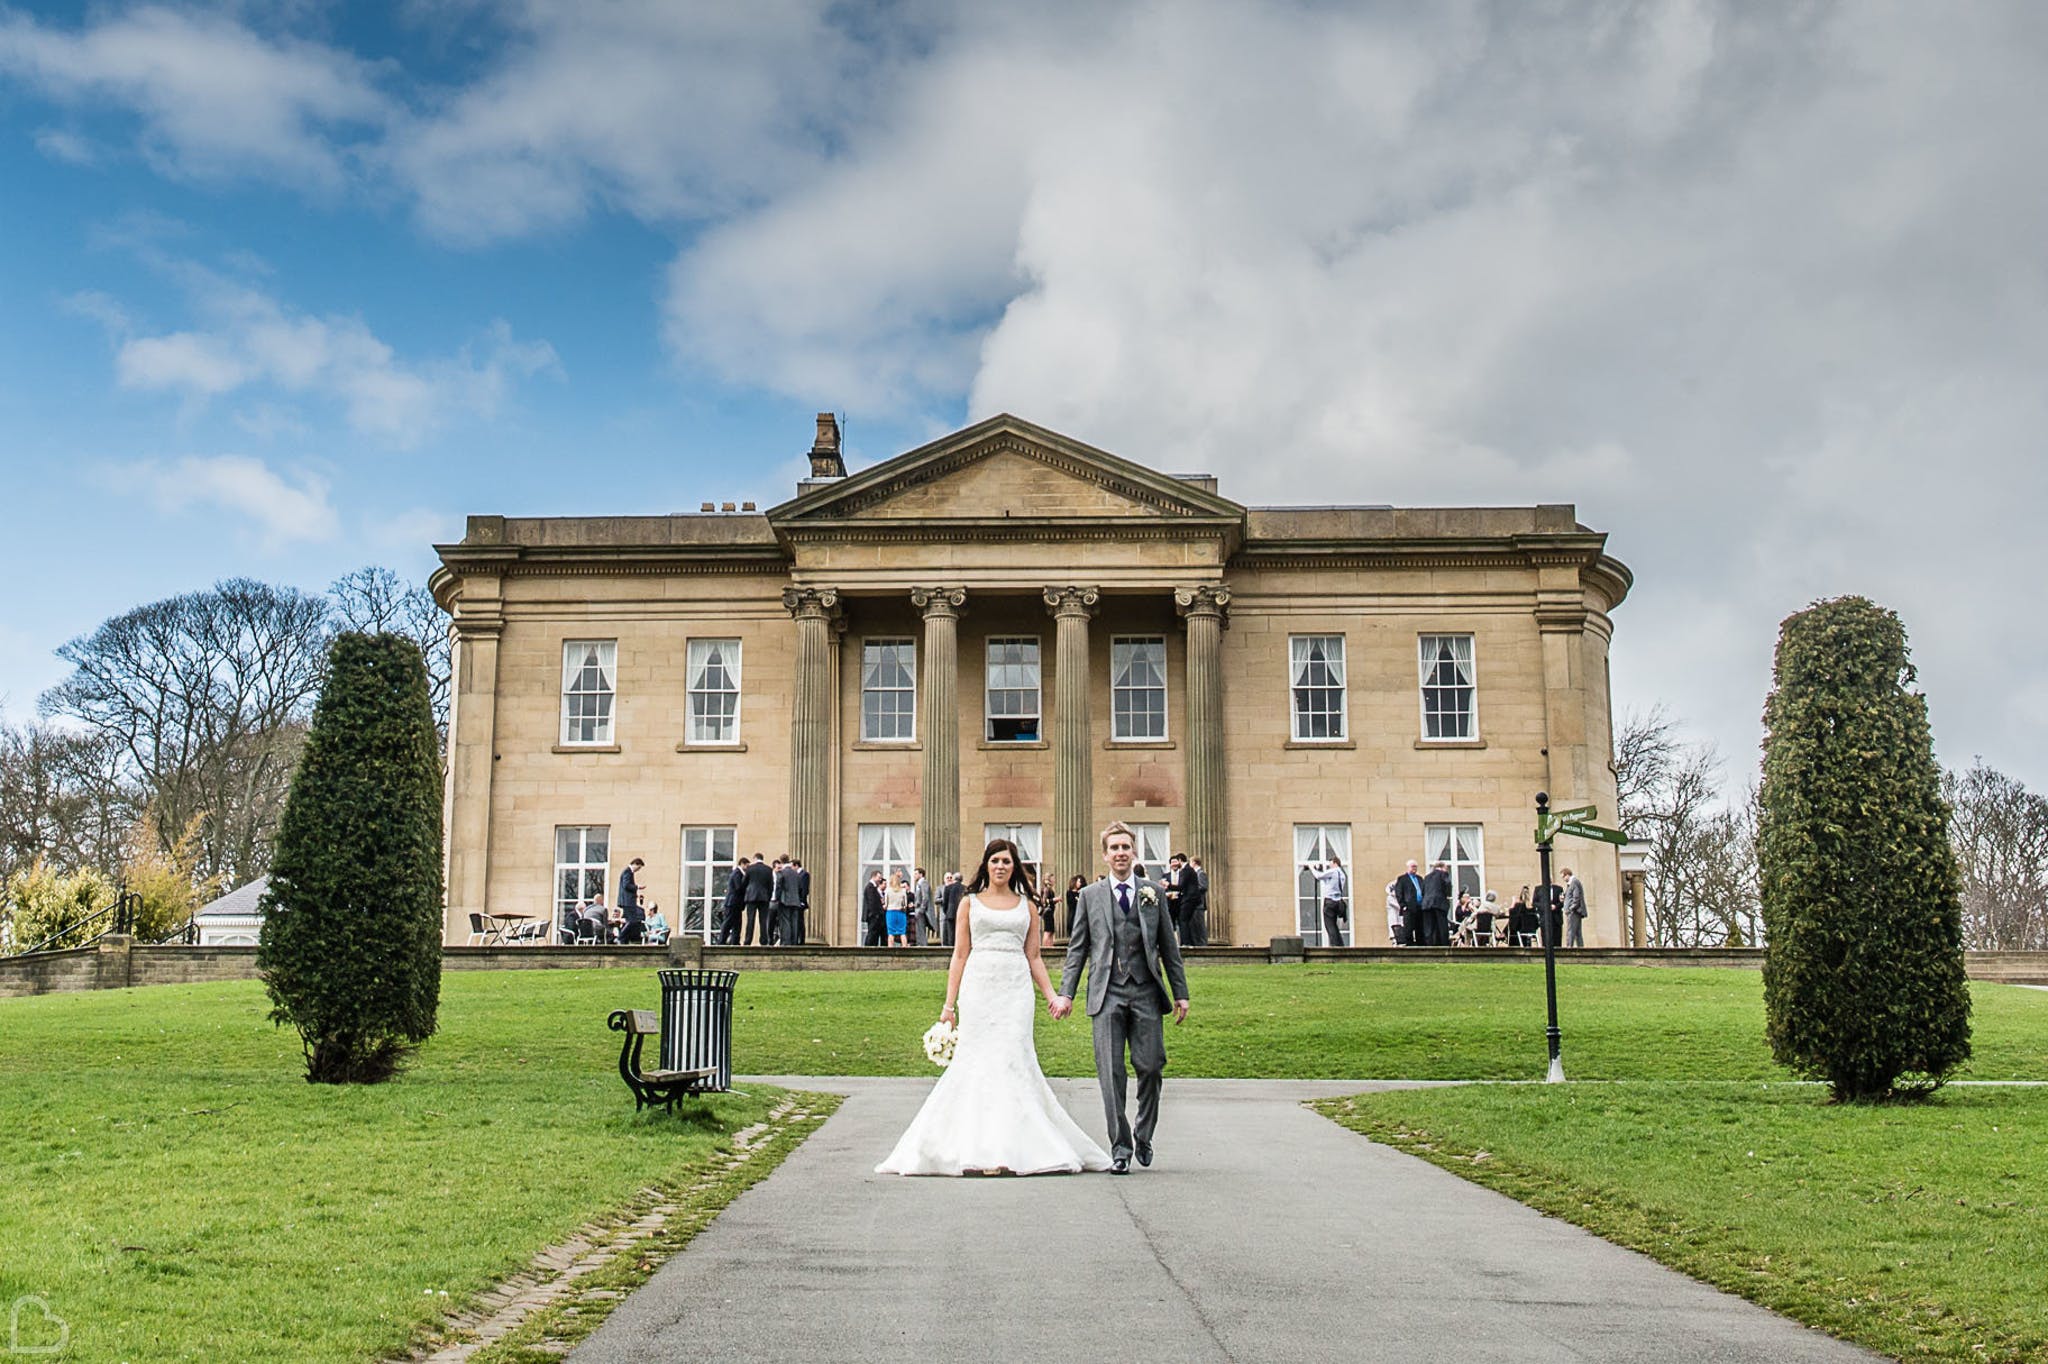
1020 875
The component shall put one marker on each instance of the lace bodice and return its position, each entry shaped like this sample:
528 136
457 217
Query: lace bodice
997 930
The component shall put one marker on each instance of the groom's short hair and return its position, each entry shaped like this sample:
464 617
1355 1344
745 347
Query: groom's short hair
1117 826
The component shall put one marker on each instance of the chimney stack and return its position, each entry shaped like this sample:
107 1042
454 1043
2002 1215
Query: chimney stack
826 461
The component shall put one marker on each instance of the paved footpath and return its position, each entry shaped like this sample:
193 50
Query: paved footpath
1263 1231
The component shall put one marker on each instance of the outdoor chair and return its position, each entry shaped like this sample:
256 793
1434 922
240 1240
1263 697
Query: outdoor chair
587 931
481 929
1482 930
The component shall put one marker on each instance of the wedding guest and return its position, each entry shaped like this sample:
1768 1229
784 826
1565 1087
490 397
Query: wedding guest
1048 905
758 896
1397 931
803 899
735 893
1333 889
657 927
874 917
596 917
1436 907
949 906
788 896
1408 889
923 909
1522 926
1194 904
632 918
1074 888
1171 884
1574 910
896 909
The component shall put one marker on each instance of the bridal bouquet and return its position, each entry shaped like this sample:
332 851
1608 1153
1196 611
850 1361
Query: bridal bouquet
938 1043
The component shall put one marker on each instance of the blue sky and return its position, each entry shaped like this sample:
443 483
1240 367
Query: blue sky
286 289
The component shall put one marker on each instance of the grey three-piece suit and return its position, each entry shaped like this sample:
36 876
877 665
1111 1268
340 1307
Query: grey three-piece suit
1132 960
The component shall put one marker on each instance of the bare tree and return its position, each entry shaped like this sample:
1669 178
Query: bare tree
2000 832
375 599
204 698
63 800
1701 868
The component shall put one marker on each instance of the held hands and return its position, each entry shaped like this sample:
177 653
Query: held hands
1059 1006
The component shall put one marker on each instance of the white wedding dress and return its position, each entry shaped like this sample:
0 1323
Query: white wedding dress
992 1109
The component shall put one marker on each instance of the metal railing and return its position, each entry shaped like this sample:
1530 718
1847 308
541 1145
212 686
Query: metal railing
122 912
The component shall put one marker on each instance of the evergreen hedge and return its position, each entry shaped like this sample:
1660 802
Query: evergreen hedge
351 946
1864 985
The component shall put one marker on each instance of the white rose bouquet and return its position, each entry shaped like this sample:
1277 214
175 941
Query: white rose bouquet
939 1040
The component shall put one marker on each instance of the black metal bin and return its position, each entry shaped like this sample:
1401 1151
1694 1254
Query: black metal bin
696 1022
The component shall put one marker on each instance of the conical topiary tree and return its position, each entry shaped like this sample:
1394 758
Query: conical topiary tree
1863 968
351 946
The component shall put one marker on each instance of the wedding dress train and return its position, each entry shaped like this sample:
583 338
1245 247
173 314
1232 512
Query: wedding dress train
992 1109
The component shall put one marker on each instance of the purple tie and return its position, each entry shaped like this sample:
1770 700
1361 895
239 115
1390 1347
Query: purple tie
1123 896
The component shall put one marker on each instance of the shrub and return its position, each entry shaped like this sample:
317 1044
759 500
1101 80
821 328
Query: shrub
1864 984
166 881
41 901
351 943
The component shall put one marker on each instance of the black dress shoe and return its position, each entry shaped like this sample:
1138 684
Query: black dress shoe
1144 1153
1120 1166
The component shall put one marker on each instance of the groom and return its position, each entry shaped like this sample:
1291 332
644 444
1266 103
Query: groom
1122 933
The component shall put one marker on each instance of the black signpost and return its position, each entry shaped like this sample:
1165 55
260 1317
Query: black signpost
1576 823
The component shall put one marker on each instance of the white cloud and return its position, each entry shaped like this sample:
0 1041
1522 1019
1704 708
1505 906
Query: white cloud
284 511
253 342
61 144
214 97
1759 289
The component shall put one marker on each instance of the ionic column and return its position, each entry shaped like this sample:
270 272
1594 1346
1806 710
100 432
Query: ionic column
938 721
1073 770
818 621
1204 609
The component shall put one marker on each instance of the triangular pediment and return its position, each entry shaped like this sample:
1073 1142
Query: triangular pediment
1004 467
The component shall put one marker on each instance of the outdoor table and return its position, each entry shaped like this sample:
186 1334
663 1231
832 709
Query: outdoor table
501 922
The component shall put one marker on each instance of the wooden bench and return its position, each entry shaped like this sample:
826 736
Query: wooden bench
652 1087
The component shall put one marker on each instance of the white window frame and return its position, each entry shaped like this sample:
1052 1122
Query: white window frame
697 917
1030 841
582 867
1322 840
1425 664
604 733
898 852
1343 689
1154 845
1164 735
694 734
865 645
989 689
1441 838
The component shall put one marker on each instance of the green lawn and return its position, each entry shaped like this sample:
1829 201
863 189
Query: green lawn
1920 1231
175 1191
1468 1021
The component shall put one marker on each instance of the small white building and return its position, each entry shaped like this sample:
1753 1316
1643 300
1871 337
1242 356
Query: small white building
235 919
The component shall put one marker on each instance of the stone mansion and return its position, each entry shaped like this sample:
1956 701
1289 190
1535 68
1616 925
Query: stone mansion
1009 632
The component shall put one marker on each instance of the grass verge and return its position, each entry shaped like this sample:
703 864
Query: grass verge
1919 1231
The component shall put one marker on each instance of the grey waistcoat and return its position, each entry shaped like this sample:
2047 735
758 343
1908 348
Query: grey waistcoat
1128 939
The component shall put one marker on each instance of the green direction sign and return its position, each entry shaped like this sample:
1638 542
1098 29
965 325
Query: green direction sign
1593 831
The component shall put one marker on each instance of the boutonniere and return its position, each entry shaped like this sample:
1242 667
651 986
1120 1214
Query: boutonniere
1147 895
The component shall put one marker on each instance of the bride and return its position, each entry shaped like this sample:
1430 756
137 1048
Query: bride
992 1110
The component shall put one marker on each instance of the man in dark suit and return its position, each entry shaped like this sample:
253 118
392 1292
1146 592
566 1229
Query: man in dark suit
949 905
803 899
788 895
1194 906
874 918
1550 902
632 915
758 895
735 891
1408 894
1435 927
